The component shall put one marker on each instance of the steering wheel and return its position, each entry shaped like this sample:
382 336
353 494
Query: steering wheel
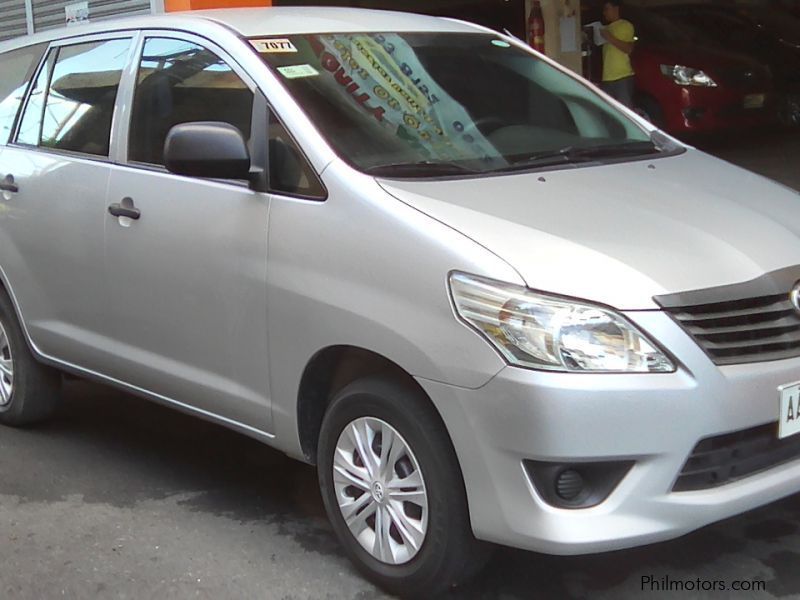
487 125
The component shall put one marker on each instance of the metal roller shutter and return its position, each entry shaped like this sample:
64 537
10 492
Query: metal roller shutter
48 13
13 21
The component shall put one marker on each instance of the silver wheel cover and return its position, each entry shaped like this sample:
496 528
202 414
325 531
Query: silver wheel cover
380 490
6 369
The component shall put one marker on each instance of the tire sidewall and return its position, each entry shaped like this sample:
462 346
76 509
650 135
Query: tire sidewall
18 348
442 481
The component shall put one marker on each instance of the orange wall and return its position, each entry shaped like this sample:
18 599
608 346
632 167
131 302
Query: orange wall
173 5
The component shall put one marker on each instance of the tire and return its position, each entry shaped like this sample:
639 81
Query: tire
29 391
447 553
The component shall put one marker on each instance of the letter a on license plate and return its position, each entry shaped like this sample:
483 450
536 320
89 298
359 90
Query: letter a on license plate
789 418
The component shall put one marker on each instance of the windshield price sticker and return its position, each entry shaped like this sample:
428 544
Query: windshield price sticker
297 71
276 46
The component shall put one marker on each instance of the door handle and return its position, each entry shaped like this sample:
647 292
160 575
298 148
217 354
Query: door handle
118 210
8 185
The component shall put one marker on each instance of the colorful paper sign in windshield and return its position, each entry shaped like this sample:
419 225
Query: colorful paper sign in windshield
383 74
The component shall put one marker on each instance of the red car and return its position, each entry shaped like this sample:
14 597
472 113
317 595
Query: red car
685 84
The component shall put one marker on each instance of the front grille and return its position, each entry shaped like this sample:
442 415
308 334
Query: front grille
732 111
725 458
742 331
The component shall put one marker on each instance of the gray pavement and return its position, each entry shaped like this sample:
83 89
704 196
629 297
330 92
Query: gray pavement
774 154
120 498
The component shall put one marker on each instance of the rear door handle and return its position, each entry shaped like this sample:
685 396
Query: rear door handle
8 185
118 210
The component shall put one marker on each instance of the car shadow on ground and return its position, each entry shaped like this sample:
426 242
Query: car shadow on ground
111 447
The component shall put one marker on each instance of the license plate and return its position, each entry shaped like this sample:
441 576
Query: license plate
754 101
789 419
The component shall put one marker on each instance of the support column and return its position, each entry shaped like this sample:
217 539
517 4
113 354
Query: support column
29 16
553 12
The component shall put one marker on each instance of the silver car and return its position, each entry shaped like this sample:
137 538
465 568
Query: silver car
492 305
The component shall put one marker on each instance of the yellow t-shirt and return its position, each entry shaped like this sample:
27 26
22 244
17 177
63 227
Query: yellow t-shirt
617 64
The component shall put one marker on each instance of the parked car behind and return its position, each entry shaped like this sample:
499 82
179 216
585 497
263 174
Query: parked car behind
769 35
687 85
490 305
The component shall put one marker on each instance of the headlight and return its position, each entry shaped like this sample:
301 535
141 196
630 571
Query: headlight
546 332
687 76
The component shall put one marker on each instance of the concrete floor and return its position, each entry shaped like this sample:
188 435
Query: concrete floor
774 154
119 498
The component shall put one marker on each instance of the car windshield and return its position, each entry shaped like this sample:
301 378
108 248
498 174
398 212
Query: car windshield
656 29
437 104
776 22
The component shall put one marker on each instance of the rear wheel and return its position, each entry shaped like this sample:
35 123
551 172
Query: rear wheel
28 389
393 490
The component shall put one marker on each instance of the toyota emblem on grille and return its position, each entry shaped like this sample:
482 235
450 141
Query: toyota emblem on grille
794 296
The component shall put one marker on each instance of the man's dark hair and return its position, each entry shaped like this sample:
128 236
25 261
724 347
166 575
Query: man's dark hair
616 3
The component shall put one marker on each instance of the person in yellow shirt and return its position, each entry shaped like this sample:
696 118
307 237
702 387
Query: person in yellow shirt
620 38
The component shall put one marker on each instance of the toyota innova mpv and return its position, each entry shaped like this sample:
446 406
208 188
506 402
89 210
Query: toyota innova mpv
489 303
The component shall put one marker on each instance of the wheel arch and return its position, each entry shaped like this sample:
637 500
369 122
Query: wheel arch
5 288
330 370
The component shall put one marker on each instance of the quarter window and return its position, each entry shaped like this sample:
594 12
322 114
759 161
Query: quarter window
180 82
17 67
31 124
289 172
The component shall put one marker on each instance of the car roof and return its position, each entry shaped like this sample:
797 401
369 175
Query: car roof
267 21
316 19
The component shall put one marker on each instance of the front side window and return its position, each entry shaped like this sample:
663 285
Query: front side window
74 112
412 104
180 82
17 68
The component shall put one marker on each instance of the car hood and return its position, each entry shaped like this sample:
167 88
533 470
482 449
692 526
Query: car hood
706 57
620 234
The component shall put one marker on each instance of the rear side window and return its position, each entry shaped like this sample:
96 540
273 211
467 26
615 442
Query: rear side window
180 82
78 107
17 68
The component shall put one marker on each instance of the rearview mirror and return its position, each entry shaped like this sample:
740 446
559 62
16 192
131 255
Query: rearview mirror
210 149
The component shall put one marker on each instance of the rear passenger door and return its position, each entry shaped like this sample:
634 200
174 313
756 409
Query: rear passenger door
187 279
51 224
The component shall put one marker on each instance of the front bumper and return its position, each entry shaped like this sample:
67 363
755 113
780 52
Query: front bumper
706 110
654 420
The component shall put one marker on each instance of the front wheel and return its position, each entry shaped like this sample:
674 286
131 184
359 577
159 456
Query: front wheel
393 490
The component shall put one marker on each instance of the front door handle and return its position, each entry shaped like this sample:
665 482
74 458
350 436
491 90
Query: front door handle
118 210
8 185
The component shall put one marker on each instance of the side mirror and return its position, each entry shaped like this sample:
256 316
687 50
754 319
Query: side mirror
209 149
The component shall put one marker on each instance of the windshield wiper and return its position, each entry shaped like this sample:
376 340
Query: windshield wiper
575 154
423 168
611 150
